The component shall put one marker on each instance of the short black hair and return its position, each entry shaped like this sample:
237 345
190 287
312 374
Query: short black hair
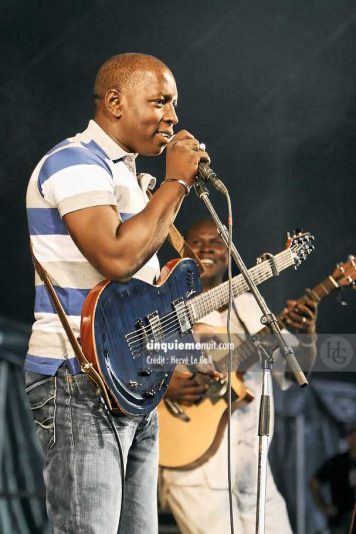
122 70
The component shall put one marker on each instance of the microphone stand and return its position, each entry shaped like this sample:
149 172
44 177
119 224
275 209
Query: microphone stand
268 319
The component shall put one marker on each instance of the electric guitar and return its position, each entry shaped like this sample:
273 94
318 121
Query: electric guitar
190 435
127 329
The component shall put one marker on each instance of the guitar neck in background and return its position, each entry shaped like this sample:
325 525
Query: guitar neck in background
323 289
246 354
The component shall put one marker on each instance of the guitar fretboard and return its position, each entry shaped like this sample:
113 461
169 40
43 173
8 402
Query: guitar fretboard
323 289
201 305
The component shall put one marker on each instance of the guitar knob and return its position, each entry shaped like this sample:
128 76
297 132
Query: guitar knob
133 384
145 372
149 393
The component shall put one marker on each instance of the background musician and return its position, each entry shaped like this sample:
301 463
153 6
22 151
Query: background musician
198 497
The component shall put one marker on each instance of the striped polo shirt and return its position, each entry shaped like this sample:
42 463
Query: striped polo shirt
89 169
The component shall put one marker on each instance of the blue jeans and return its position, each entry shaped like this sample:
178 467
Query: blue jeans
82 463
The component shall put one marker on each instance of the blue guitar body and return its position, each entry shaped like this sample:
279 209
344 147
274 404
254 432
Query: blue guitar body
126 328
120 320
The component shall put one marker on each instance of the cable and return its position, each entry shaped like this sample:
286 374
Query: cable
229 367
117 437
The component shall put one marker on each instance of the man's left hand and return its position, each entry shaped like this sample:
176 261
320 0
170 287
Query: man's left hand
300 315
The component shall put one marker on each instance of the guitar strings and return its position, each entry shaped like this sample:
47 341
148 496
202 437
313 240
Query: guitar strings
136 338
202 307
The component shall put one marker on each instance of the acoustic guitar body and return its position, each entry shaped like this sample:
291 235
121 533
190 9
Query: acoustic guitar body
191 437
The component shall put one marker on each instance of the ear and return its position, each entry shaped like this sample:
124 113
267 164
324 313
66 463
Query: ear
113 102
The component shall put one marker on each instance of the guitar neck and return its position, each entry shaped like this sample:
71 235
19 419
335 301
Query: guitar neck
246 351
323 289
201 305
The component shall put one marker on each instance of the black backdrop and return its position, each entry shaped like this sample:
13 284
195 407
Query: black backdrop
269 86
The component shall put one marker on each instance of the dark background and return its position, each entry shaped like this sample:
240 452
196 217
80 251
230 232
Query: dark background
269 86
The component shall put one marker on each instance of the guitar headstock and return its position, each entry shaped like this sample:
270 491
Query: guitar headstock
345 273
301 245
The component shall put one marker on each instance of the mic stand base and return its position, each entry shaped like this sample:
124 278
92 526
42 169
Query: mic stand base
263 437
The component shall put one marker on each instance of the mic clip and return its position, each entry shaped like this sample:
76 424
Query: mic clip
206 174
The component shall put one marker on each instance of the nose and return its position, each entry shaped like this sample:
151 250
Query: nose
206 247
170 115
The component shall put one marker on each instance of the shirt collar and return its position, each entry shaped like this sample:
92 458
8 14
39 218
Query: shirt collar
146 181
112 149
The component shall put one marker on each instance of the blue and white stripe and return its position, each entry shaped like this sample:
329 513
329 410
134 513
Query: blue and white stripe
87 170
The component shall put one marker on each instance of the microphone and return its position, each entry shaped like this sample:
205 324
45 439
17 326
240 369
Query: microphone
207 174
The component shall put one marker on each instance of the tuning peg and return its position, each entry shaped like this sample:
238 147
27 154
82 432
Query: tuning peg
351 259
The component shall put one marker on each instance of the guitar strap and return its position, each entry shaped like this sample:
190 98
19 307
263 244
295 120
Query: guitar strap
178 242
85 366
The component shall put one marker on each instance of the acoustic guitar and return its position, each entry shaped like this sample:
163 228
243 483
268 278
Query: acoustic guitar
190 435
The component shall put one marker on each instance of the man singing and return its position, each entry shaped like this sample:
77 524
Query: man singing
89 219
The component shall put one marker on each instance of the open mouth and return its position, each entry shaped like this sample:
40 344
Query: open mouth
207 261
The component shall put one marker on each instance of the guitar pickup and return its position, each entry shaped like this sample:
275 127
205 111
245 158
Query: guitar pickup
155 325
182 315
138 345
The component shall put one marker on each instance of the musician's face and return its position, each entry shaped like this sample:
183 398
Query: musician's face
203 238
148 113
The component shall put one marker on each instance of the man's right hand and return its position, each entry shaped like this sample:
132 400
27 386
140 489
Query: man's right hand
185 388
183 157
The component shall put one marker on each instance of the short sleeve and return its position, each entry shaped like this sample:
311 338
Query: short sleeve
74 177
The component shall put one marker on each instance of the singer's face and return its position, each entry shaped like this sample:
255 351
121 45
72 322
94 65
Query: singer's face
148 113
205 241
